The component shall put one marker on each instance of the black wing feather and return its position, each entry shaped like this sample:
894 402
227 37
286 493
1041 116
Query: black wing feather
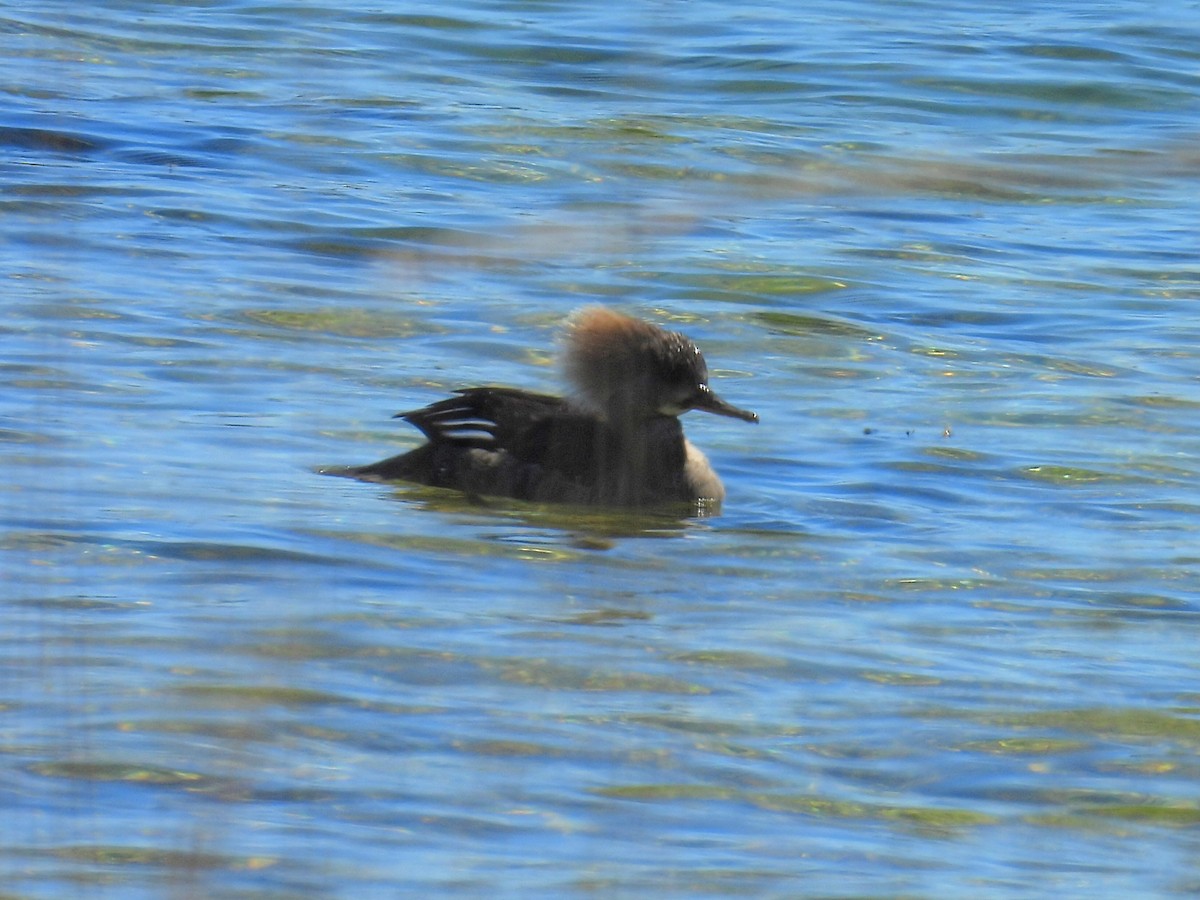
489 418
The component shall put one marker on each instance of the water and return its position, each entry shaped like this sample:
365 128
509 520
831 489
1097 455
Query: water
942 641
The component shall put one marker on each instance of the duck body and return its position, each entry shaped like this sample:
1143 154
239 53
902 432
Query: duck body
506 442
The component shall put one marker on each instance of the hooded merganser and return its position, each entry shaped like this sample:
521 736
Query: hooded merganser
616 441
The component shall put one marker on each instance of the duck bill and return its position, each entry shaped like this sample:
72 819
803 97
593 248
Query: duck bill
709 402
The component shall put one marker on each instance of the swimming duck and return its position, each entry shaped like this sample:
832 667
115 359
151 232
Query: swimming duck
616 440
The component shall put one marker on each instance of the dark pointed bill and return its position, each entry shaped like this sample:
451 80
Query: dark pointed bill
710 402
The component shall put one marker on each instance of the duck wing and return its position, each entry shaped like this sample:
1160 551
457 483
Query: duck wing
487 418
536 430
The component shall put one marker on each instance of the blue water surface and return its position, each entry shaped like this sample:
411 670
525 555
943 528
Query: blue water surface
941 641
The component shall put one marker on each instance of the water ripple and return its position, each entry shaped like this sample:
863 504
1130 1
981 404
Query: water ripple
941 642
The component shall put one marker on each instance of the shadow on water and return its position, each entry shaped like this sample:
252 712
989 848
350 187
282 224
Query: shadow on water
592 528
